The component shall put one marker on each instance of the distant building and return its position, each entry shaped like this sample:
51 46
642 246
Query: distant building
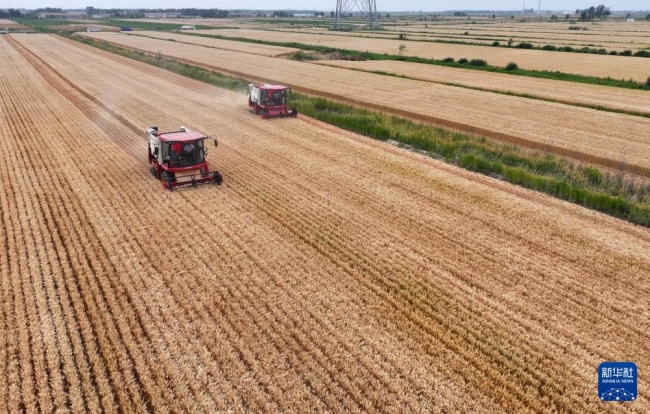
162 15
243 14
64 15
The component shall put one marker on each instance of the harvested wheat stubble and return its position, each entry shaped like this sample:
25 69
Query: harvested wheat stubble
567 92
263 50
8 24
205 22
608 139
634 42
329 272
617 67
613 28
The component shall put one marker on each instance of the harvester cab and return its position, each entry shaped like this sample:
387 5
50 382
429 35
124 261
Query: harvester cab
177 158
270 101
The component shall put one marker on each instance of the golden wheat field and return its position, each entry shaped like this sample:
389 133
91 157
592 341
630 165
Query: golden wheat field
569 92
628 36
329 272
473 38
617 67
605 138
11 25
488 33
255 49
248 23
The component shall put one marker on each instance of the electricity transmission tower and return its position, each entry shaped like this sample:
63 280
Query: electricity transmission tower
366 8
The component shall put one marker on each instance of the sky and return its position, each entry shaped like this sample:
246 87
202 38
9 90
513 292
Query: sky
328 5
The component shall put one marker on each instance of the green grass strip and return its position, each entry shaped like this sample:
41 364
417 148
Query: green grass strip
611 193
42 25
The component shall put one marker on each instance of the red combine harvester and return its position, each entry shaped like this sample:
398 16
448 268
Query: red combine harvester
270 101
177 158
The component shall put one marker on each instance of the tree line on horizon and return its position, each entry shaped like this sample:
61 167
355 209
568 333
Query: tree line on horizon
598 12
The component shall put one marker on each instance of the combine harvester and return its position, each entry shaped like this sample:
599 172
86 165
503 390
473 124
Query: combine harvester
177 158
270 101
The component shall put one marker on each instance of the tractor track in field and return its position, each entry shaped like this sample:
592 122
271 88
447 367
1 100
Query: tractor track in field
54 77
31 367
72 210
49 299
104 297
87 258
131 304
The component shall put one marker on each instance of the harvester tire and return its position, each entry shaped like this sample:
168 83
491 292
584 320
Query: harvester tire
167 177
264 114
218 178
153 171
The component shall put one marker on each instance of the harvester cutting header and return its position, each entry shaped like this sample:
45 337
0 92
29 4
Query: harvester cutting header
177 158
270 101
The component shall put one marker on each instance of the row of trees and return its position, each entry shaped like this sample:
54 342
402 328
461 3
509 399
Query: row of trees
10 14
592 13
187 12
205 13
